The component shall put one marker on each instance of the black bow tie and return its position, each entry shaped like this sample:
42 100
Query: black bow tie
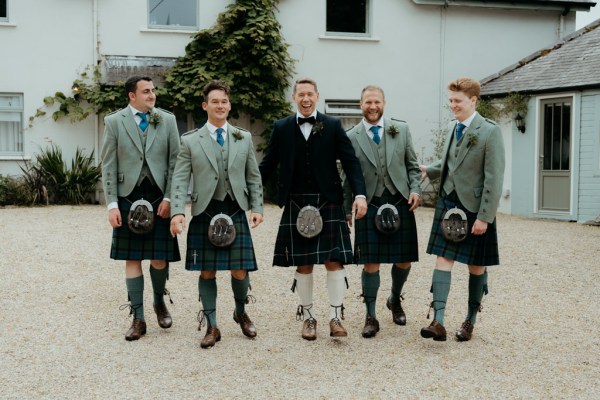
310 120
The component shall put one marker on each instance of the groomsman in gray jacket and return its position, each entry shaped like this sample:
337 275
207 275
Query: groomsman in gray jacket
226 183
141 143
388 233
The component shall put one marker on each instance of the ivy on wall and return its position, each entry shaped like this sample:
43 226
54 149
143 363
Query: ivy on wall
509 106
244 48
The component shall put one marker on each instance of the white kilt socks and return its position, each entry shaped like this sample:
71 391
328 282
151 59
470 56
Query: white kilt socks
336 286
304 288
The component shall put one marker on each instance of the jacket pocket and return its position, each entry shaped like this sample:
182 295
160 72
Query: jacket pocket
477 191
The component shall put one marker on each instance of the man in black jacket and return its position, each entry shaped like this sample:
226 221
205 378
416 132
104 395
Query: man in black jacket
306 147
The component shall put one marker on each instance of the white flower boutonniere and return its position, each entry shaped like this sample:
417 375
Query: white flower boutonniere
154 119
237 135
317 128
393 130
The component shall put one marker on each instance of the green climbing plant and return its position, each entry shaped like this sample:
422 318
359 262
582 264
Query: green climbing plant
509 106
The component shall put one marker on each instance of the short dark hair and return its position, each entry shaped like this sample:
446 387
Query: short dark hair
131 83
305 80
215 85
468 86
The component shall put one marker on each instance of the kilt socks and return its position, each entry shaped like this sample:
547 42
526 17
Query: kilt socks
135 295
207 290
440 289
336 286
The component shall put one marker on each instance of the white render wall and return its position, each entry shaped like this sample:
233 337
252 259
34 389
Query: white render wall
413 52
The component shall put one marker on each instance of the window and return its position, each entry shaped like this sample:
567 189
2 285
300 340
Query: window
173 14
347 110
3 11
348 17
11 124
557 135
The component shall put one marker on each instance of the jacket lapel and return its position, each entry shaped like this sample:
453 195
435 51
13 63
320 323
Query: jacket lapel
390 142
206 144
365 143
233 145
131 128
473 129
151 131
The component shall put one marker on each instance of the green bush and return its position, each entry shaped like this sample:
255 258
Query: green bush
15 191
67 186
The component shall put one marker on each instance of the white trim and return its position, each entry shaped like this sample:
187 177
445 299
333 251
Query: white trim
157 30
8 24
357 38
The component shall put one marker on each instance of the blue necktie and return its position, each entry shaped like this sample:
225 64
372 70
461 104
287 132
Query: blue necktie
459 131
376 137
220 139
144 121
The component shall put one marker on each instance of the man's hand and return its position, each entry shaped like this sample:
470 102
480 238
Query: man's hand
479 227
423 172
414 200
360 207
164 209
177 224
255 219
114 217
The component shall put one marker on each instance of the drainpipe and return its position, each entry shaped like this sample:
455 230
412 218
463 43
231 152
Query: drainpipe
95 63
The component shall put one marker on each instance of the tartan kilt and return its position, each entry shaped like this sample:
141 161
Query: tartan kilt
332 244
479 250
202 255
158 245
371 246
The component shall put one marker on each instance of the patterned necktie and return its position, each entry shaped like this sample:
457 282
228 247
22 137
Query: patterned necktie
459 131
375 130
220 139
144 121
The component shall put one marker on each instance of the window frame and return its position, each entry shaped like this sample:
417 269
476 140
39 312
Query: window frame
152 26
19 146
347 110
366 34
5 19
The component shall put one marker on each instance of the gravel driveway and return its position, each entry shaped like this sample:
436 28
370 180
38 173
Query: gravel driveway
62 334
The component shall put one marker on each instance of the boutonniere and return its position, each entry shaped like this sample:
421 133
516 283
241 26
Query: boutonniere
471 139
237 135
317 128
393 130
154 119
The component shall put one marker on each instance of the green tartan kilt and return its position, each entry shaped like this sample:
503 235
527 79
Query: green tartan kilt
371 246
332 244
157 245
202 255
479 250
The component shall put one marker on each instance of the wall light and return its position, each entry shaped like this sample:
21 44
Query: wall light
520 122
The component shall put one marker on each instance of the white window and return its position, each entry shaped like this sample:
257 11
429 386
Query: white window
11 124
3 11
348 17
173 14
347 110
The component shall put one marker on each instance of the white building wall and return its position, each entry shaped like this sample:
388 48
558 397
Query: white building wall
412 53
589 158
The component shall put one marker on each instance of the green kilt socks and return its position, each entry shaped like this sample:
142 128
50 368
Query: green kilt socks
135 293
370 286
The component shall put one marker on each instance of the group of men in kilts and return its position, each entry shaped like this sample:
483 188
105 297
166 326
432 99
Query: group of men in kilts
378 191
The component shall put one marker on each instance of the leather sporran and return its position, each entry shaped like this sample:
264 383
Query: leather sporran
221 232
309 222
387 220
140 219
455 225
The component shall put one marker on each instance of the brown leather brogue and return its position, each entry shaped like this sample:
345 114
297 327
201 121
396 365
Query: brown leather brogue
163 316
309 329
213 335
398 314
371 327
435 331
465 332
245 323
137 330
336 330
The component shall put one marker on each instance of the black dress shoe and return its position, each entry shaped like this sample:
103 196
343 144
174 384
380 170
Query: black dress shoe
371 327
163 316
246 324
435 331
137 330
398 314
465 332
213 335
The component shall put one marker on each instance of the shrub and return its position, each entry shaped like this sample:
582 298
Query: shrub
15 191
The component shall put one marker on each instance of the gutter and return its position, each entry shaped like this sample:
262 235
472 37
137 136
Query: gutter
564 7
